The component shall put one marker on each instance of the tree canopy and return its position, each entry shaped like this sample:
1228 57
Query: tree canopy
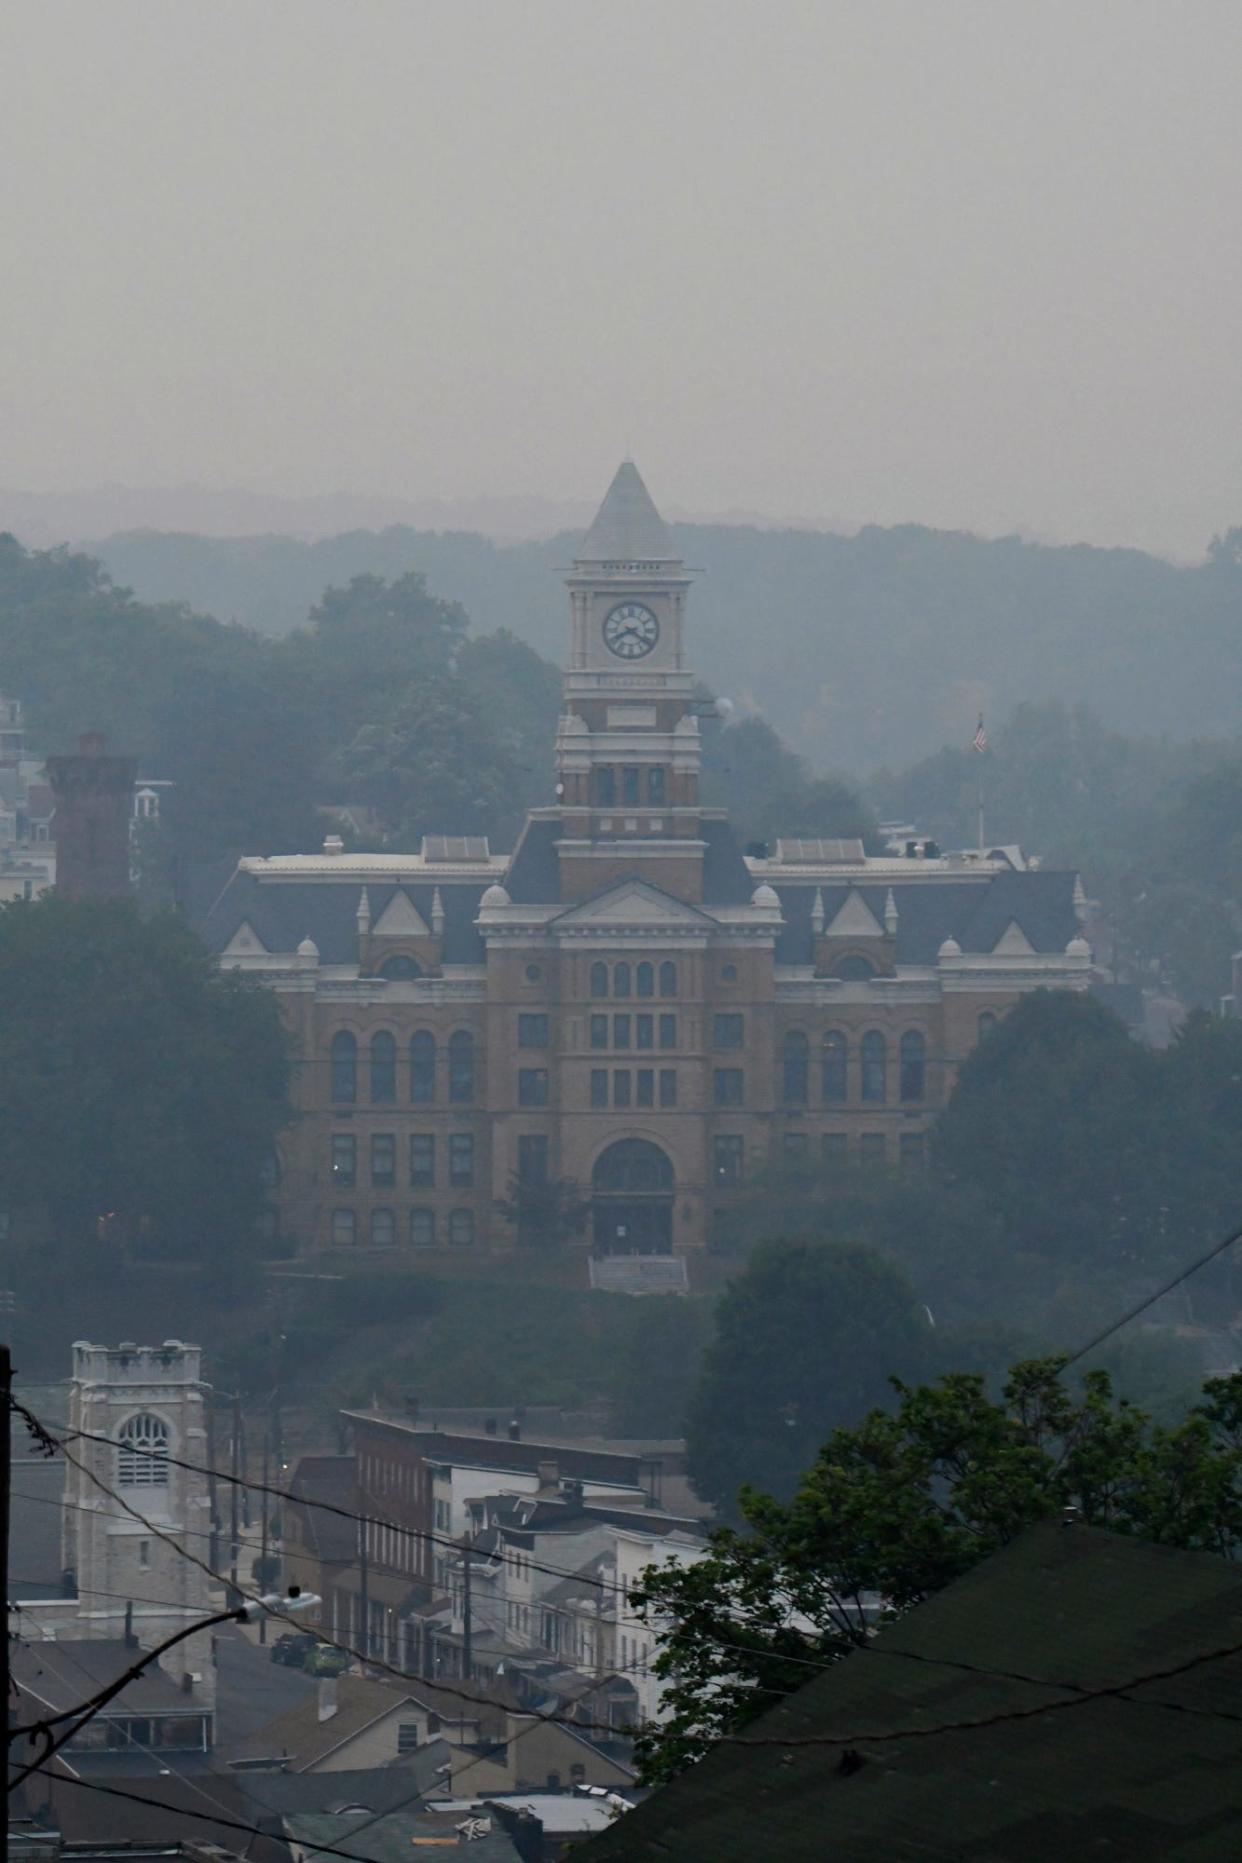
141 1088
893 1509
806 1338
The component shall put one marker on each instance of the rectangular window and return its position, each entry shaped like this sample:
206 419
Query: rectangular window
144 1555
383 1159
344 1160
644 1087
383 1229
606 788
728 1086
668 1031
727 1031
407 1736
599 1031
422 1228
620 1031
644 1031
342 1229
834 1150
532 1086
629 787
532 1159
461 1160
728 1156
872 1148
794 1144
599 1086
621 1087
532 1031
422 1160
913 1150
668 1086
656 786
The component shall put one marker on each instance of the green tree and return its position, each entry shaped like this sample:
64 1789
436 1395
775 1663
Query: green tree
897 1507
141 1089
806 1338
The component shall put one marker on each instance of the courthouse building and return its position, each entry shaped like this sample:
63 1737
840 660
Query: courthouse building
628 1002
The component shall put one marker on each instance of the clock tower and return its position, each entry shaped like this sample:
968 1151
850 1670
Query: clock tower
627 747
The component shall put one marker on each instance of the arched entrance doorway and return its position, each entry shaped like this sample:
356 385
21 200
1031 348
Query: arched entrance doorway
632 1200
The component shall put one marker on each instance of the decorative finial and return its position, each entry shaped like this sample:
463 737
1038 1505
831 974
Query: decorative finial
817 912
890 914
437 914
363 914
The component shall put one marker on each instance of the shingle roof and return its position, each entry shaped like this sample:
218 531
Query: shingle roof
627 525
1151 1773
63 1673
172 1811
976 913
397 1837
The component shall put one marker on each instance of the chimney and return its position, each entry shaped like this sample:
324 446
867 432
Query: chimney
515 1431
549 1475
327 1703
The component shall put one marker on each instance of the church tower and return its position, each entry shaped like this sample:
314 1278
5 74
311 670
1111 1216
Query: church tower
627 746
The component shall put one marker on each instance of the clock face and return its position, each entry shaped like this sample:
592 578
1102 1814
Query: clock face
630 631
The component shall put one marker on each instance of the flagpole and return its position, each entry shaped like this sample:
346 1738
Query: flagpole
979 746
979 793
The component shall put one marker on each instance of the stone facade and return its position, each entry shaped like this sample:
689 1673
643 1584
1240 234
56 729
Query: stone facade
626 1006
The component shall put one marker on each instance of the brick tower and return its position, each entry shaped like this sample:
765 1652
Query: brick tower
94 793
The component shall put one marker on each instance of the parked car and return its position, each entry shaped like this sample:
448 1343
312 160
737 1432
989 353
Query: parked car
324 1660
293 1648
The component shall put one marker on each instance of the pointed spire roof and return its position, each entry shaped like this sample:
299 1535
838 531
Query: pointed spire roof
627 525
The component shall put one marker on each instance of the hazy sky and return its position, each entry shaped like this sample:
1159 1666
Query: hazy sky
969 264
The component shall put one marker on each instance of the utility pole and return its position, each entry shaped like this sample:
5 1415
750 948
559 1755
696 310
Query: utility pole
267 1456
467 1626
6 1471
235 1491
364 1590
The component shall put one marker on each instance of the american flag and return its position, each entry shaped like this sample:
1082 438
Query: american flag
980 740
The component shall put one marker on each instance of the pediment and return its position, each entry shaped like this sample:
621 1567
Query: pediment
633 902
400 918
244 942
1013 942
854 919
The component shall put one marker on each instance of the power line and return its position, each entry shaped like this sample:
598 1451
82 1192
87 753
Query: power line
183 1811
1142 1306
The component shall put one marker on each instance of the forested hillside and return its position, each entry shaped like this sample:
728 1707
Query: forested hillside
862 651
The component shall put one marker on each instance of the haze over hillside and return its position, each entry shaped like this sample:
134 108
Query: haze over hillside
864 650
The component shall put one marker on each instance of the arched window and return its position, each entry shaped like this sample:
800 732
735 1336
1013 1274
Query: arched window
344 1068
461 1227
422 1067
644 980
874 1067
599 980
794 1068
383 1229
987 1022
461 1067
913 1065
620 979
835 1085
854 969
142 1453
383 1069
632 1166
668 979
401 969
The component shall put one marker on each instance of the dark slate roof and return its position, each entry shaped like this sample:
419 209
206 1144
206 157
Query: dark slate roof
381 1788
929 911
1152 1773
395 1838
331 1479
534 877
726 877
627 525
283 912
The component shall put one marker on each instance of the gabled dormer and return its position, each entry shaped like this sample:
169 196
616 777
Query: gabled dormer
854 944
400 944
